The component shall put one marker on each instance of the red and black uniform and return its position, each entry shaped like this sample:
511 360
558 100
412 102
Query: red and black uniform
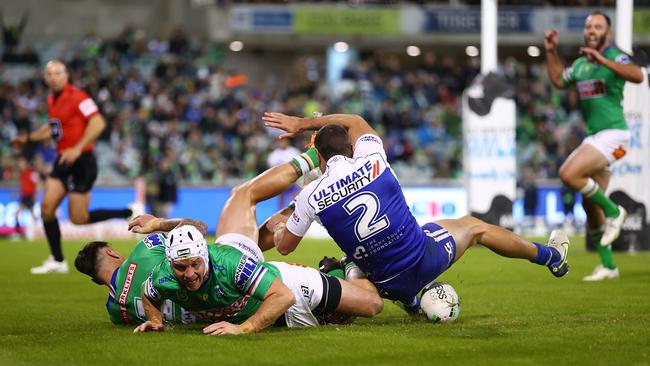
28 179
69 113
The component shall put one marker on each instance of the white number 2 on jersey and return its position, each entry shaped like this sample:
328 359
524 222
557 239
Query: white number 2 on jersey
367 224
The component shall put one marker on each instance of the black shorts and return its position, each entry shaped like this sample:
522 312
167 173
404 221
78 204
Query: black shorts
27 201
78 177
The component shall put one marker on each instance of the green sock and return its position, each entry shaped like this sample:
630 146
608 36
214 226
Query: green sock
605 252
337 273
306 161
609 207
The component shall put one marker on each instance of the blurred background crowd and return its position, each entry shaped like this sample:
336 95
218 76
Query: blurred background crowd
172 106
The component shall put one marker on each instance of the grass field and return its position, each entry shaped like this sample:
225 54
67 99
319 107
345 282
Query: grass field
513 312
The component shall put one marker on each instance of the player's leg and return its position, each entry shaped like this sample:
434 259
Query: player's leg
84 174
238 214
359 298
52 197
578 171
469 230
20 209
596 227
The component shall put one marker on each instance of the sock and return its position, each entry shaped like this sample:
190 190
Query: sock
545 255
337 273
306 161
53 234
353 272
605 252
593 193
101 215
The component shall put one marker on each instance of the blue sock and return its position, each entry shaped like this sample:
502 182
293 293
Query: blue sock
545 255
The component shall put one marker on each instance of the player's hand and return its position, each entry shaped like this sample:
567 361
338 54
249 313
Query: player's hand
274 220
149 325
222 328
69 156
551 40
289 124
144 224
592 55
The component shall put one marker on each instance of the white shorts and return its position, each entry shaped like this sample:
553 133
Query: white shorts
307 287
611 143
242 243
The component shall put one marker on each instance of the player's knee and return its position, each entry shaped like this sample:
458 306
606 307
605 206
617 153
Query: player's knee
48 211
566 176
375 306
241 191
79 218
475 227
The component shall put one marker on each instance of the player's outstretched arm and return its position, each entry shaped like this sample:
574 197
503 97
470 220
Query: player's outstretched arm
628 71
356 125
154 317
278 299
553 64
146 224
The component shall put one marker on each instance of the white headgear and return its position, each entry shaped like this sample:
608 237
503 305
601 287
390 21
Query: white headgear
186 242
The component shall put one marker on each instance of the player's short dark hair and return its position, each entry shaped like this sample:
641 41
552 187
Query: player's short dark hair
86 261
607 19
333 140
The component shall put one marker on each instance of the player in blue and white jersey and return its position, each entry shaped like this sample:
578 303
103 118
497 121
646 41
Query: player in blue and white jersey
359 200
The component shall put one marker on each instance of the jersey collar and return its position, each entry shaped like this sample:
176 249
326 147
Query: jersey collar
111 291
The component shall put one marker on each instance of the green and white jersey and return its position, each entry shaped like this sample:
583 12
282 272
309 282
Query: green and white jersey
124 303
600 90
235 287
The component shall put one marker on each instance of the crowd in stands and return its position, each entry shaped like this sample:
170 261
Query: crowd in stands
173 102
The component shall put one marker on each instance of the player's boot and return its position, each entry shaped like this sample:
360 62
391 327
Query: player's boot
613 227
50 266
329 264
602 273
413 309
560 242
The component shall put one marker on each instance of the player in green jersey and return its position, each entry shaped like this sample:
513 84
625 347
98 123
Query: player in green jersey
124 277
599 75
230 285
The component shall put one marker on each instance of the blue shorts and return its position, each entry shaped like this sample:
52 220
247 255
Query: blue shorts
439 254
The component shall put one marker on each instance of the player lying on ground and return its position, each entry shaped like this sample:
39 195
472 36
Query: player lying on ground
125 277
230 284
360 202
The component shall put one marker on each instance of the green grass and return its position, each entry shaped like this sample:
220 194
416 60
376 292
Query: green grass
513 312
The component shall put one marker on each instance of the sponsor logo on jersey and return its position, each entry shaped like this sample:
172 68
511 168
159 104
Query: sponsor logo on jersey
591 88
225 312
307 292
370 138
165 280
347 185
87 107
182 295
623 59
124 294
245 269
149 289
152 241
219 292
218 267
